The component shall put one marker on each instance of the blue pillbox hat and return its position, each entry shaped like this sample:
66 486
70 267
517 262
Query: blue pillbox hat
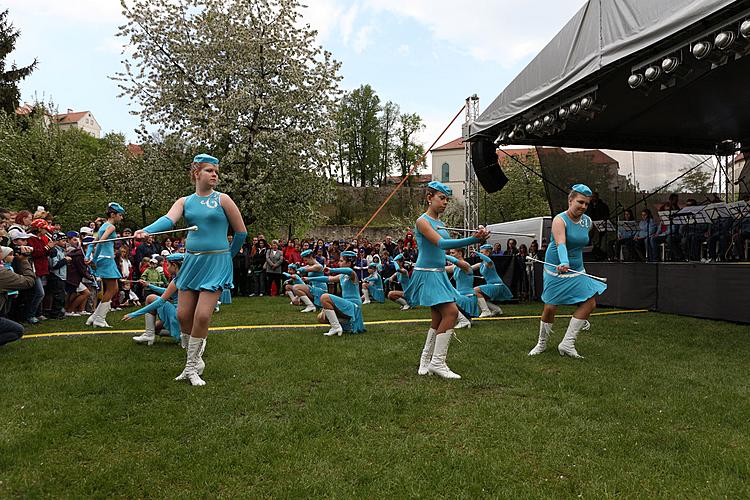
306 253
175 257
204 158
116 207
486 246
348 253
439 186
582 188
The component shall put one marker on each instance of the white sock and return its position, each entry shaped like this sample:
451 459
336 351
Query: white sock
150 323
333 320
401 301
306 300
366 293
290 294
492 307
482 304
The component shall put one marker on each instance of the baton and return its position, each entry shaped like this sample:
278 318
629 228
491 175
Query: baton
191 228
598 278
461 230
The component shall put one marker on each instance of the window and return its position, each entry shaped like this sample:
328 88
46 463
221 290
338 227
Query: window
445 174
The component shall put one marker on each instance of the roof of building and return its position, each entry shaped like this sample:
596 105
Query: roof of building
24 109
73 117
135 150
454 144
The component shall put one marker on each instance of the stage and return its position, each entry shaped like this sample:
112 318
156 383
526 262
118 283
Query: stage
712 291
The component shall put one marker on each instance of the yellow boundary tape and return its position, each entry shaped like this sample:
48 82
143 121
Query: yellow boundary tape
296 326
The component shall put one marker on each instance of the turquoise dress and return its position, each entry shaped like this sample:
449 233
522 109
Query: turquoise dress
465 286
317 288
349 304
104 256
167 312
429 285
208 263
494 288
570 288
376 287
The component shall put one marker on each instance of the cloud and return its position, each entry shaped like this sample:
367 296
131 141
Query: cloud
86 11
363 39
403 49
502 31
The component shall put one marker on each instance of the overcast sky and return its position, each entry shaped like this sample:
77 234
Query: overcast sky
425 55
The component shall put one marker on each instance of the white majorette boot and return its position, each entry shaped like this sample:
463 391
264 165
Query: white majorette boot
437 365
429 347
403 303
486 313
365 295
201 365
194 351
149 335
541 345
184 339
495 310
94 315
333 320
291 296
568 345
310 306
463 322
101 319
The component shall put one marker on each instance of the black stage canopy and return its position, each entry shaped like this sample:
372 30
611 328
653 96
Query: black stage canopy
693 107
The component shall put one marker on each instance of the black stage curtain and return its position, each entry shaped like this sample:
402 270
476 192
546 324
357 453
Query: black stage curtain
712 291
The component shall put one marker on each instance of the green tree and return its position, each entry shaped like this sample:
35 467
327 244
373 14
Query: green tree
388 126
58 169
9 77
245 82
697 181
408 151
360 124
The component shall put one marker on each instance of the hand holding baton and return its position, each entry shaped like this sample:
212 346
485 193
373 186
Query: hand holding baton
139 235
503 233
598 278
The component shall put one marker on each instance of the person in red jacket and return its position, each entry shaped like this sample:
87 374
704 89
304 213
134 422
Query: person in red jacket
40 243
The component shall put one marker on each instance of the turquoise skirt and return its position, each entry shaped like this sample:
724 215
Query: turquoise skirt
569 288
353 311
496 292
377 294
429 288
226 296
107 269
168 315
209 271
469 305
316 294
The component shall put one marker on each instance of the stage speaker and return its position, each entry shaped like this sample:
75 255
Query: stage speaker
484 162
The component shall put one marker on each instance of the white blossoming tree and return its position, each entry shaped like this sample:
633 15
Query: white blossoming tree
246 82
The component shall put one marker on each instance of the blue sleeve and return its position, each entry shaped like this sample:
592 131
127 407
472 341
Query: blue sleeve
321 279
482 256
153 306
451 259
341 270
156 289
163 223
562 253
447 243
396 266
89 250
237 241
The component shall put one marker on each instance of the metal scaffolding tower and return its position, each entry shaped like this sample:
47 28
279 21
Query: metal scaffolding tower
471 184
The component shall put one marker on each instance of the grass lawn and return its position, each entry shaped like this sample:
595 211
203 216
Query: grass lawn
659 408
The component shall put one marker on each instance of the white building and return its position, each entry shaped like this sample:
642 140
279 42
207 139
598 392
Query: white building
82 120
449 166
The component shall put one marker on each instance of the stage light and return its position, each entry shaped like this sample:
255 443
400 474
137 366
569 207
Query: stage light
548 120
529 128
563 113
537 124
636 80
745 28
586 103
502 138
574 108
724 40
701 50
516 133
669 64
652 73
